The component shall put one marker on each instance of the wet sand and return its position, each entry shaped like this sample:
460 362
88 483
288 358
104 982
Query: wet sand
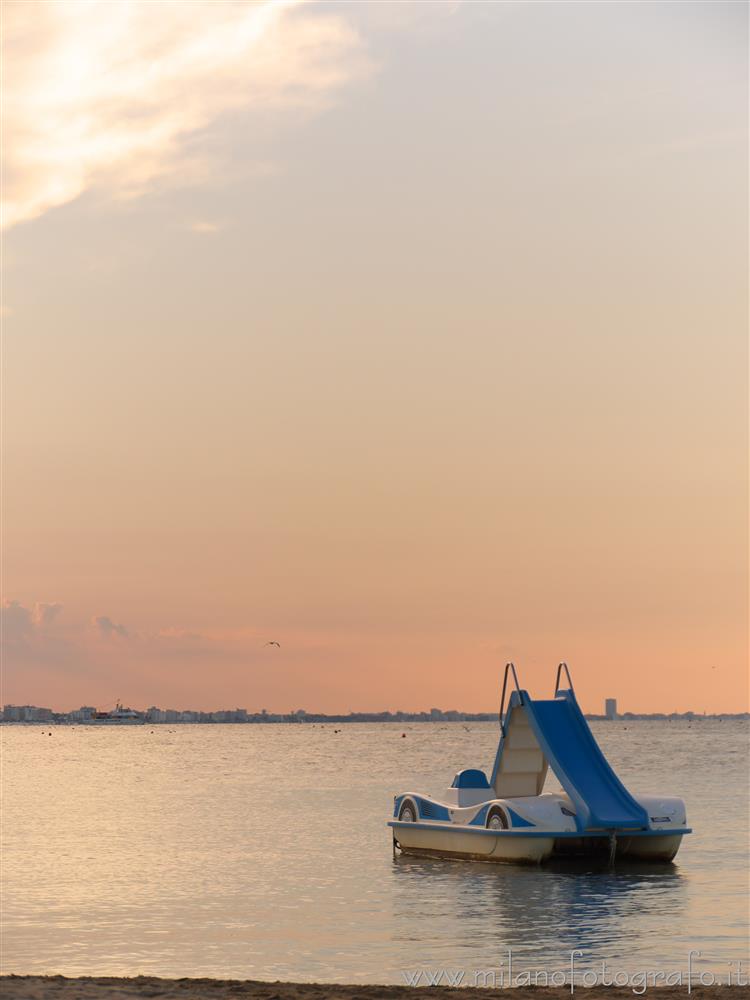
106 988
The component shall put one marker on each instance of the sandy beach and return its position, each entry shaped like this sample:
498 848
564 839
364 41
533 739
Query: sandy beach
115 988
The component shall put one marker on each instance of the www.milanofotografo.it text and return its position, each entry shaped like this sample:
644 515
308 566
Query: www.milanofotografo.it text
576 974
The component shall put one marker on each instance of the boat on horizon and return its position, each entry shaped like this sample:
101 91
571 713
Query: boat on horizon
119 715
509 817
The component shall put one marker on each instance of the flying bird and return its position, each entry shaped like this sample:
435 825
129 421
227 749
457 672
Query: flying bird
273 643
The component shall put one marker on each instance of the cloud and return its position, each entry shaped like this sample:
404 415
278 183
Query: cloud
15 621
109 95
19 622
44 614
107 629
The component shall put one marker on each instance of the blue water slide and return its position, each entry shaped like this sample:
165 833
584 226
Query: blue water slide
600 798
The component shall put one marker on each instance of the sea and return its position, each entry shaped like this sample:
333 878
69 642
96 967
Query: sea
262 852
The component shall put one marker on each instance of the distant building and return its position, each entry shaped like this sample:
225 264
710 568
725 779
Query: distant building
610 708
83 714
26 713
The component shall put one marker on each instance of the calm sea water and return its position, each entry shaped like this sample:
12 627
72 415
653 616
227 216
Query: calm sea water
262 852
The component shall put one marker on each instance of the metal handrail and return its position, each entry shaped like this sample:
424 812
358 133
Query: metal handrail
512 669
560 668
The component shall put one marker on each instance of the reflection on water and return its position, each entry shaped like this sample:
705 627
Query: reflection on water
262 852
544 913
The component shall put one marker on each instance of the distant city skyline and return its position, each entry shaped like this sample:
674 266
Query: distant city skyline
154 714
412 337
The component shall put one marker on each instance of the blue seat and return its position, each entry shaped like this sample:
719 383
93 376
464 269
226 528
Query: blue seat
471 777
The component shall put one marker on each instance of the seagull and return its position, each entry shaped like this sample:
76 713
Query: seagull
273 643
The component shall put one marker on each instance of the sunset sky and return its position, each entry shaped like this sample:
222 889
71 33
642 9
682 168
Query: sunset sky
413 337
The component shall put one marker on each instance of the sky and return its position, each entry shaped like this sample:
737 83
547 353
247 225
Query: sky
410 336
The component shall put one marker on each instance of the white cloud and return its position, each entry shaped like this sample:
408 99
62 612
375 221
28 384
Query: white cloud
19 622
44 613
106 94
107 629
15 621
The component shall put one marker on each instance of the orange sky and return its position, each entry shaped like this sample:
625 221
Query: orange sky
411 336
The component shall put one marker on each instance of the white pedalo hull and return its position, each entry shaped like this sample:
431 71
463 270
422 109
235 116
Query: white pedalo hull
479 845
